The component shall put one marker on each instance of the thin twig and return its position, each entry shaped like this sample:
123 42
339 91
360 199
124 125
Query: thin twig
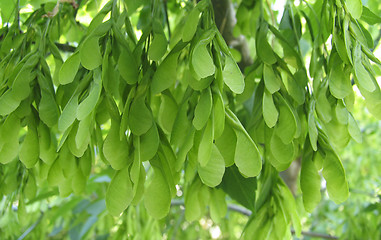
34 225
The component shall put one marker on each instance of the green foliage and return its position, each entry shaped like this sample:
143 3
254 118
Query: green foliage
103 124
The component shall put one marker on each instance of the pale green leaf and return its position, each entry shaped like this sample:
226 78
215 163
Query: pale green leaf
190 26
201 61
272 81
128 67
203 109
149 143
157 198
211 174
158 47
9 139
247 157
167 113
140 117
217 205
69 69
119 193
90 53
115 150
354 129
165 75
270 113
232 76
89 103
309 182
334 174
362 75
29 151
355 8
226 144
206 145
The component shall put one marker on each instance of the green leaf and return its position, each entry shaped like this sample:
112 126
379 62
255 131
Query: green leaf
20 87
340 46
139 189
290 205
158 47
67 117
354 129
239 188
115 149
355 8
226 144
323 107
84 132
157 198
232 76
218 115
149 143
8 103
67 154
9 139
283 153
217 205
30 188
309 181
180 126
55 174
247 156
270 113
312 130
127 66
190 26
29 151
287 125
339 82
184 149
69 69
334 174
48 109
201 61
90 53
140 117
166 74
197 85
89 103
203 109
211 174
119 193
206 144
341 113
272 81
194 206
48 151
167 113
362 75
78 183
347 38
369 17
264 50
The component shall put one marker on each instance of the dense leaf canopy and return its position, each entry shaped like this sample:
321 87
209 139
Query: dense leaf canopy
135 103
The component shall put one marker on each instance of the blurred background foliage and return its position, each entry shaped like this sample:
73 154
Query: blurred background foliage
49 216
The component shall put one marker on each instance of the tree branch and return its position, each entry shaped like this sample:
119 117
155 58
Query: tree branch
247 212
31 227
